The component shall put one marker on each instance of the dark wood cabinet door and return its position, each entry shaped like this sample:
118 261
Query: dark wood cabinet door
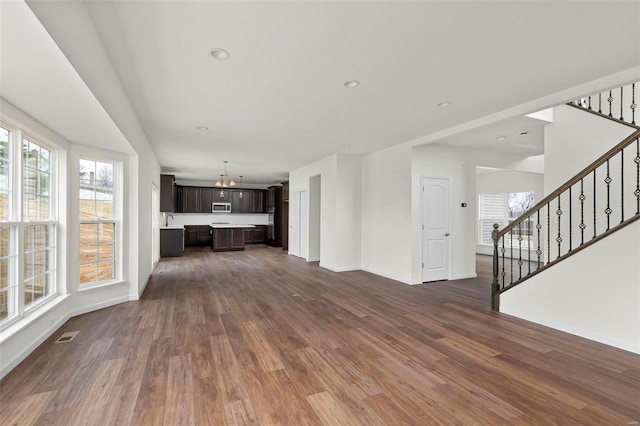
259 202
260 234
179 199
221 240
206 198
191 235
285 191
237 238
249 236
167 193
191 199
271 198
236 201
221 195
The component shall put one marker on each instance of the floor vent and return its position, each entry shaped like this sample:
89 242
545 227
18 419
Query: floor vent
67 337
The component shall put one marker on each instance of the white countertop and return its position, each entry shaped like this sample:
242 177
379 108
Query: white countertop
229 225
172 227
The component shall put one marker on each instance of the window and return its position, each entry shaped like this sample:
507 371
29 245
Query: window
504 208
27 224
98 223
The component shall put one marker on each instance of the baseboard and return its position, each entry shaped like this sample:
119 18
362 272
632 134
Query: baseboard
341 269
134 296
33 346
100 305
389 276
580 333
464 276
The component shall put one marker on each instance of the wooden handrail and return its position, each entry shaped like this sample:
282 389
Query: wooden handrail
585 172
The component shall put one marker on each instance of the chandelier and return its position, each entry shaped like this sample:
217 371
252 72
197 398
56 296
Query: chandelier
224 180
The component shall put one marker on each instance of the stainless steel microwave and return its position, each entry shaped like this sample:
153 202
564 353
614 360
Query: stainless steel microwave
220 207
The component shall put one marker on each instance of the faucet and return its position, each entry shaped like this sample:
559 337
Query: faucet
166 223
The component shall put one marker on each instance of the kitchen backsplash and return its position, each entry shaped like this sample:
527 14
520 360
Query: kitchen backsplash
207 219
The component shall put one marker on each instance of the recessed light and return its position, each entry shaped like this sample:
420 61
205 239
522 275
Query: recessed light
219 54
442 104
346 145
351 84
523 132
203 128
501 138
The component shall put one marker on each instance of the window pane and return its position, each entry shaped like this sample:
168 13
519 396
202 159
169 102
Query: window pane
105 271
88 273
105 251
5 170
96 190
4 242
36 181
88 253
88 233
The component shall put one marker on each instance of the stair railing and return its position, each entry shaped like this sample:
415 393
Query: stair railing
617 104
570 219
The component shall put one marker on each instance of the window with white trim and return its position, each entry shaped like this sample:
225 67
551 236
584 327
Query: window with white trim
27 223
98 222
504 208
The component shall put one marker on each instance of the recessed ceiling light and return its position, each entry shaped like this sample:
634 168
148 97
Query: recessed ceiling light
219 54
346 145
501 138
202 128
523 132
351 84
442 104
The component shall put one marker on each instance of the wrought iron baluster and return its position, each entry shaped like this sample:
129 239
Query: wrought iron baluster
519 250
633 103
559 238
548 233
503 251
610 100
594 203
621 113
529 244
600 103
570 222
582 197
622 185
637 161
589 102
511 261
538 251
608 210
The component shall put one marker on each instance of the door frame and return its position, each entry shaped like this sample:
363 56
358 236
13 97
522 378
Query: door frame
422 250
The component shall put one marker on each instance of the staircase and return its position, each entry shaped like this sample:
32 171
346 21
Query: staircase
601 199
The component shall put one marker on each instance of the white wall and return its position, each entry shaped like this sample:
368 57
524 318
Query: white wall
313 222
591 294
349 213
386 213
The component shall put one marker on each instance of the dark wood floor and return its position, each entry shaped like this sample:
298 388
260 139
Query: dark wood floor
259 337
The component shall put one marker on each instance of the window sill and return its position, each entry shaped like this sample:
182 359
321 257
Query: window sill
30 317
100 285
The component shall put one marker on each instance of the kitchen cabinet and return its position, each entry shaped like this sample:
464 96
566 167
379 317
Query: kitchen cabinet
259 201
171 242
206 198
191 199
285 190
274 196
257 235
167 193
197 235
221 195
227 239
247 201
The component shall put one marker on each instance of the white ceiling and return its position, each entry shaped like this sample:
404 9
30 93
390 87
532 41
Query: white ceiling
37 78
280 103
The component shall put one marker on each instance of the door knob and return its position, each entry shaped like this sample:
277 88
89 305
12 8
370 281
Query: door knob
447 234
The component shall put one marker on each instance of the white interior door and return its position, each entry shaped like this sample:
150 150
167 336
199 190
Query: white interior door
435 229
304 224
155 225
294 223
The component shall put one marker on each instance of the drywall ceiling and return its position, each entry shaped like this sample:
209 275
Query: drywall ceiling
280 103
505 137
36 77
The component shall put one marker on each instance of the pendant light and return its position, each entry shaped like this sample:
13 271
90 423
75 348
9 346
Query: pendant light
224 180
240 186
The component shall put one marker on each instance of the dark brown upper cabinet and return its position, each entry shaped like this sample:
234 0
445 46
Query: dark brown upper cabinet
167 193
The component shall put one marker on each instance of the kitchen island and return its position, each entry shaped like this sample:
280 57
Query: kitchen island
228 237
